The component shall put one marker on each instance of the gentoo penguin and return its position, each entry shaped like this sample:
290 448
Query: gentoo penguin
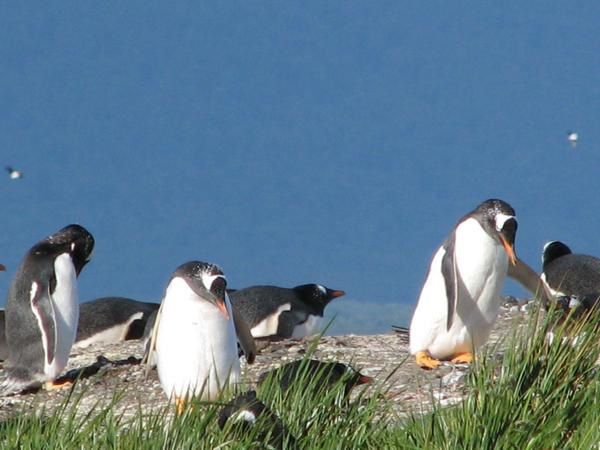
322 373
460 299
108 320
569 274
43 308
194 337
243 413
3 347
282 313
573 278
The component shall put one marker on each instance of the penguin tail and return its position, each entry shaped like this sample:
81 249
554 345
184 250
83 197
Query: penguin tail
14 381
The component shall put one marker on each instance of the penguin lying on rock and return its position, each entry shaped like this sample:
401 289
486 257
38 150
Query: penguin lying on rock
108 320
281 313
323 374
243 413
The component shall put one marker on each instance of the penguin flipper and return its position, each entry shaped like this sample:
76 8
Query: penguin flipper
287 321
43 310
530 280
244 336
148 358
449 271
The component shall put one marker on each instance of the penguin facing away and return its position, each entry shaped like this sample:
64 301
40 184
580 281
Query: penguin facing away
108 320
282 313
42 309
194 337
460 298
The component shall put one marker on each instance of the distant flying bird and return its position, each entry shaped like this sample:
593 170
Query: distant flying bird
572 136
14 174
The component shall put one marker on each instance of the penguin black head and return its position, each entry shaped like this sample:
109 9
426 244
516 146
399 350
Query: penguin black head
244 408
498 218
72 239
552 251
207 281
317 296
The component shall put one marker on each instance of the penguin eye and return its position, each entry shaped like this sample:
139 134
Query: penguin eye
218 286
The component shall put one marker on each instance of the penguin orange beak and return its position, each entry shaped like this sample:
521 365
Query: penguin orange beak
220 304
364 379
510 250
336 294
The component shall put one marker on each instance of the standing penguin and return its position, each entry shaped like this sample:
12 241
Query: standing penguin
194 336
42 309
281 313
460 300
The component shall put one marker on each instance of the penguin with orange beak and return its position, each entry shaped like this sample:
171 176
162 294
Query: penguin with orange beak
195 335
460 299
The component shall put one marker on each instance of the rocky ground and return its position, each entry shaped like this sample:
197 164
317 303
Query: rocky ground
116 368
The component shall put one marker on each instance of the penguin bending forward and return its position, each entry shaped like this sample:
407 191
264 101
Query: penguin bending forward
460 299
194 337
42 309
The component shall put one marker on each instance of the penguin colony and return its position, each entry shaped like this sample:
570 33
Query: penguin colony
194 333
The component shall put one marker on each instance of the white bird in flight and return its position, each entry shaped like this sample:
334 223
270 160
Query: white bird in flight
14 174
572 136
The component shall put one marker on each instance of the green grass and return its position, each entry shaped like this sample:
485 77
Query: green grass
532 395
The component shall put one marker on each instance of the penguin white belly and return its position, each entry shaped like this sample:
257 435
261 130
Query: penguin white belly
310 327
481 265
196 347
66 310
429 318
110 335
268 326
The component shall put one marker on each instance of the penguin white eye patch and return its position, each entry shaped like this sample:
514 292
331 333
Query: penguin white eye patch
246 416
208 280
501 220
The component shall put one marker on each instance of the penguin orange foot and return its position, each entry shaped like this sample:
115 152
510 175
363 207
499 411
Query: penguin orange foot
426 361
462 358
180 405
57 384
